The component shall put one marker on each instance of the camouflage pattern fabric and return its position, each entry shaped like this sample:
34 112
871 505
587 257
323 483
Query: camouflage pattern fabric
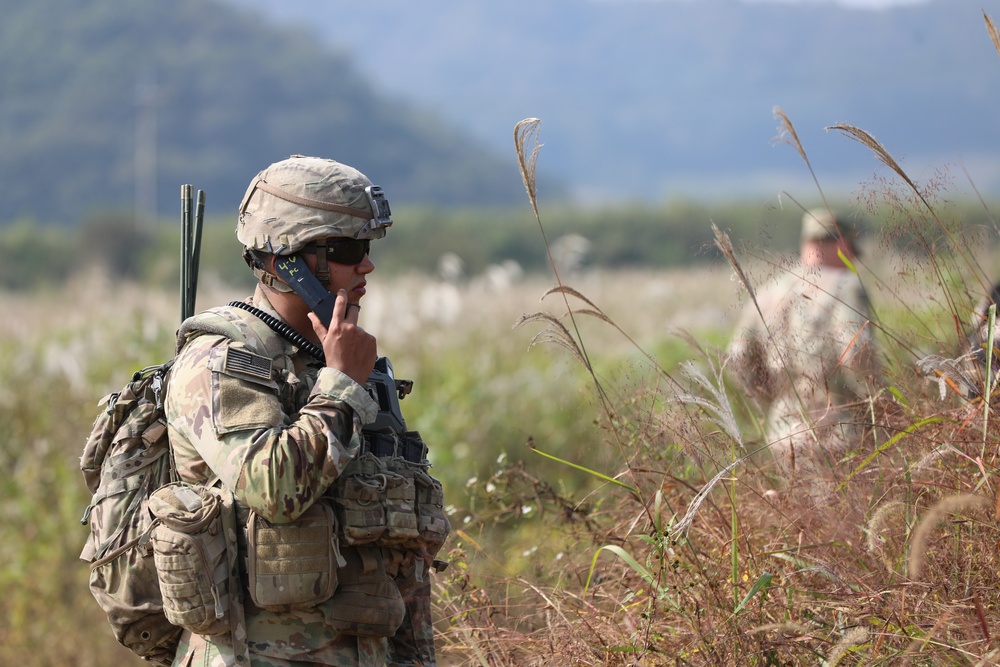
277 432
413 643
197 651
813 361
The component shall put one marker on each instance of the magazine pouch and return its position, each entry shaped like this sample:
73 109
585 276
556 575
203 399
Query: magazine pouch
432 522
400 504
360 490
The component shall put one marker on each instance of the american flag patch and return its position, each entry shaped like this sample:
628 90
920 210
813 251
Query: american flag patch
246 363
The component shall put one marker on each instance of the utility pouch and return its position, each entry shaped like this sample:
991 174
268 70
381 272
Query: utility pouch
293 565
360 513
432 522
400 504
189 549
367 602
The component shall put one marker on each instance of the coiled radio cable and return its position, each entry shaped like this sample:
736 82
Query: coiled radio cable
283 330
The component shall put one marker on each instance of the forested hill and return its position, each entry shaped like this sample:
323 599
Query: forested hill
642 98
92 93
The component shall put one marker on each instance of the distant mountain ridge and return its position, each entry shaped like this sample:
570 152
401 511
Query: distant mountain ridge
647 98
113 104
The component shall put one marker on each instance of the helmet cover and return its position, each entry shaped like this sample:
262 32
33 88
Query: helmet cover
302 199
821 224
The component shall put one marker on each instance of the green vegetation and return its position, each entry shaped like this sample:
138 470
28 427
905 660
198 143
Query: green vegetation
676 234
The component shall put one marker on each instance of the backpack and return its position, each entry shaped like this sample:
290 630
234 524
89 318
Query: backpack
125 460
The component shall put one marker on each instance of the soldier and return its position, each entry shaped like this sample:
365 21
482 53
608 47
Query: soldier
274 416
812 358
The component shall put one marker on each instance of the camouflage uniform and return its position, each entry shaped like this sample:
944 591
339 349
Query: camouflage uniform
279 441
812 360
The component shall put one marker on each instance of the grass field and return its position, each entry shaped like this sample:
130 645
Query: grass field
563 551
611 498
480 395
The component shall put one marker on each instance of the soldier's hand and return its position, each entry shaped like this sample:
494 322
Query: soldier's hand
347 347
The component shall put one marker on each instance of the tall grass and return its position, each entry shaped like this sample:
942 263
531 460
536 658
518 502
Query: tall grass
687 555
552 562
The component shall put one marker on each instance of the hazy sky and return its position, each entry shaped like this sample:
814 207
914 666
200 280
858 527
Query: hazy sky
868 4
874 4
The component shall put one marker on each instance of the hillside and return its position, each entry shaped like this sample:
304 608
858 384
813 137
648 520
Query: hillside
111 102
647 98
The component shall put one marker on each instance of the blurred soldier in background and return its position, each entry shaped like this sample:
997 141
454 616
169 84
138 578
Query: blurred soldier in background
273 415
812 358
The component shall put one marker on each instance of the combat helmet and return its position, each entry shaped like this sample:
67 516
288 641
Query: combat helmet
302 200
822 224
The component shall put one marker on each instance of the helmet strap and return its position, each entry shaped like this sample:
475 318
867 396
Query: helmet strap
255 261
271 281
322 262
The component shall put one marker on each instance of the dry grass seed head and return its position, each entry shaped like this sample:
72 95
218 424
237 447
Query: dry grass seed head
851 638
725 246
527 147
881 154
881 535
787 134
992 29
556 332
970 503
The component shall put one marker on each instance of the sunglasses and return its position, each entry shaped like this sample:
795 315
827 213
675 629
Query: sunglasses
342 251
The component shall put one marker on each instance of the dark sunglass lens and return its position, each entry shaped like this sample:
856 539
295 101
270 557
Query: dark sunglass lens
349 251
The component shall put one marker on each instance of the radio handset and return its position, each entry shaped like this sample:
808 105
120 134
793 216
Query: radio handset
294 271
381 385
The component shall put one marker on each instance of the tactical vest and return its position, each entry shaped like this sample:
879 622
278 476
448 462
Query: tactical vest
383 509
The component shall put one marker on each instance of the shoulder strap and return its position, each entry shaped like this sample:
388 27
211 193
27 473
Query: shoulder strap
236 324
